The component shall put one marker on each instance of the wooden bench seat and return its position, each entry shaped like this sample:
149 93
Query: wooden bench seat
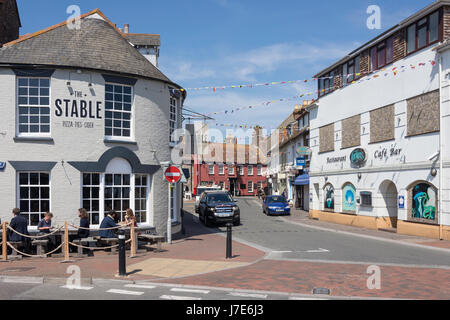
152 239
41 246
86 242
17 245
107 242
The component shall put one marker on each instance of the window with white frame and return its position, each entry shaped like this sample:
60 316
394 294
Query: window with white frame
173 117
140 198
259 170
34 195
114 192
241 170
91 196
250 170
117 193
211 169
33 106
260 185
221 169
119 110
250 187
231 170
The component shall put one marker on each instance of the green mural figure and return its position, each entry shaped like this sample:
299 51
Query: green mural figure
424 202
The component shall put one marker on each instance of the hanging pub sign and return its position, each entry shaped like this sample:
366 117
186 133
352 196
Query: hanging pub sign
303 151
358 158
2 166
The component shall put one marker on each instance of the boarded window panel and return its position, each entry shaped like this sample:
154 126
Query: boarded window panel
423 114
382 124
327 138
351 132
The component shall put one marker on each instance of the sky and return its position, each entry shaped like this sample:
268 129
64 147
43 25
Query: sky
214 43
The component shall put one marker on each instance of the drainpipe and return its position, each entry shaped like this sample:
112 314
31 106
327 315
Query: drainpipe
441 152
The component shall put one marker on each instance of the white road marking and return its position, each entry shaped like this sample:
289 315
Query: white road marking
139 286
248 295
132 293
320 250
301 298
281 251
167 297
77 288
189 290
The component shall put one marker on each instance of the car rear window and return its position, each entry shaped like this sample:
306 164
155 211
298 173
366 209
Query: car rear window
276 199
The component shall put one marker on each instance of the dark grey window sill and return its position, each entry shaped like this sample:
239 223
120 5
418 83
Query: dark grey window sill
33 139
119 141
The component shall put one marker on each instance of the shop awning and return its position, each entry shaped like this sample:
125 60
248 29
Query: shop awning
302 180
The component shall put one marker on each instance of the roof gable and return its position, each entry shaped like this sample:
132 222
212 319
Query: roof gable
97 45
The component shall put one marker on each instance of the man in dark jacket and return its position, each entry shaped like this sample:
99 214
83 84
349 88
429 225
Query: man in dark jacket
108 222
19 224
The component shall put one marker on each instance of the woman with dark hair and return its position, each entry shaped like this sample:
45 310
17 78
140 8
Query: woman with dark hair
83 231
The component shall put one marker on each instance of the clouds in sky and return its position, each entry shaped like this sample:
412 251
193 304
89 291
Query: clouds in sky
286 61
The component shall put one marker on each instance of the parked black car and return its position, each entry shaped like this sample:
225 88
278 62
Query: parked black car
218 207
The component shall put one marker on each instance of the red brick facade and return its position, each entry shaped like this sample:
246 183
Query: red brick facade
232 181
9 21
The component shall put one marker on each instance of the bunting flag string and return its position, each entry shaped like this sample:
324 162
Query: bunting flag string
395 70
379 73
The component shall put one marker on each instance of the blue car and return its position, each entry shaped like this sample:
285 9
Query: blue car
276 205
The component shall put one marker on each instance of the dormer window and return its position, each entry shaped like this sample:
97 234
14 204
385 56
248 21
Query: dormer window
424 32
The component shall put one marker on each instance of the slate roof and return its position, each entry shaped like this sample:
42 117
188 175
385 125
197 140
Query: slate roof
96 45
141 39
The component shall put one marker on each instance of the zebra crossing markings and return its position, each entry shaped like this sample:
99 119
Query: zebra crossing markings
139 286
248 295
171 297
125 292
190 290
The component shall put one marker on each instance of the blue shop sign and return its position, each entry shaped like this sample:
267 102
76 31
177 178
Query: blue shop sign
2 166
301 162
401 202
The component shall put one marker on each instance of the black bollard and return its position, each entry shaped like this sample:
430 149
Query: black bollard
229 239
122 262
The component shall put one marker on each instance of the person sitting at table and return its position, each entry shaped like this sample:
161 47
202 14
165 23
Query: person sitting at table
129 218
107 223
83 231
45 225
19 224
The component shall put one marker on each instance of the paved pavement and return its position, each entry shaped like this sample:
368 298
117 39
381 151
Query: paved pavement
273 259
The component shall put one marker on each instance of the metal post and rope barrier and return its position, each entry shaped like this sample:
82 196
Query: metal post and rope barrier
229 241
65 245
122 256
4 245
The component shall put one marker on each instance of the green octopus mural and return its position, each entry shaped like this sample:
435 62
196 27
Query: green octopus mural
424 202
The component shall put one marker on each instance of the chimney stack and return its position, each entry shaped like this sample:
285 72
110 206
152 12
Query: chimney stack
127 28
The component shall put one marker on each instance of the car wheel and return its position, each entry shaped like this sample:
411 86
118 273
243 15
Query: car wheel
237 223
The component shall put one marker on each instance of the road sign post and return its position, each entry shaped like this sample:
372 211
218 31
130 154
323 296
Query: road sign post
172 175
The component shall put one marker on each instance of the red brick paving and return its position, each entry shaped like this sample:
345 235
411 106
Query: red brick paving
342 279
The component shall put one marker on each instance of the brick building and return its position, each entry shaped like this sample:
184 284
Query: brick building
380 155
9 21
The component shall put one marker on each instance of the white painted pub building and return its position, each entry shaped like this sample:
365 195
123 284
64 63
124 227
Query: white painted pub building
86 123
380 131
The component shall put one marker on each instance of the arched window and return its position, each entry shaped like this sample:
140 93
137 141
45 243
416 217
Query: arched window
423 202
349 198
328 193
